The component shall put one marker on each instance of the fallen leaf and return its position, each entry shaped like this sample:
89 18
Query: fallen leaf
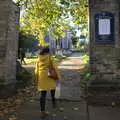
61 109
75 109
65 118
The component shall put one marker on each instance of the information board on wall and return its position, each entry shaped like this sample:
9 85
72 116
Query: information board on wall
104 27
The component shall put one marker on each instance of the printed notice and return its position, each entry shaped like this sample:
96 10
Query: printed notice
104 27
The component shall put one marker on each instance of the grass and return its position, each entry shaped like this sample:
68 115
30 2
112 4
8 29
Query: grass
33 60
59 58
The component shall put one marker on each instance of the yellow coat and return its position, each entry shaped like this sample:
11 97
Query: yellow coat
43 82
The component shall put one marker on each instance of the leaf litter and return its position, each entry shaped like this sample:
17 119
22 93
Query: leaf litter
9 106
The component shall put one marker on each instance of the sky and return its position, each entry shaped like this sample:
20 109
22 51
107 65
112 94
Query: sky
14 0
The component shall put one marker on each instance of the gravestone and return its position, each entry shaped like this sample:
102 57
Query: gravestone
9 25
104 24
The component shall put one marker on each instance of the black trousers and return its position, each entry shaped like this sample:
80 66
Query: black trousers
43 99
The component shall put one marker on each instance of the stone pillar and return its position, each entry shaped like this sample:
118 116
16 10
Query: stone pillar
104 57
9 25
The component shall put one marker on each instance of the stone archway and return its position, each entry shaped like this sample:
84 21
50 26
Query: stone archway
104 56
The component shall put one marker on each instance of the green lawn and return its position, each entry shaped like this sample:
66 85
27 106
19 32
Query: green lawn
32 60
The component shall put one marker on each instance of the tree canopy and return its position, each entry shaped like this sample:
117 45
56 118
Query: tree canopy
43 16
27 41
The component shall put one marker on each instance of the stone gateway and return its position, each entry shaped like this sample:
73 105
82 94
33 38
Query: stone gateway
9 26
104 42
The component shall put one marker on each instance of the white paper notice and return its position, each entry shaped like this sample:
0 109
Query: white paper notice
104 27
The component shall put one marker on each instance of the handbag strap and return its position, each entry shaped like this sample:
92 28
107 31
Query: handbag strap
50 61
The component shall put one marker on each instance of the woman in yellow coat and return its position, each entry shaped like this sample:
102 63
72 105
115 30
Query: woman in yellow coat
43 82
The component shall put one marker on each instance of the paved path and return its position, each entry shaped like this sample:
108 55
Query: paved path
71 111
70 100
70 77
70 74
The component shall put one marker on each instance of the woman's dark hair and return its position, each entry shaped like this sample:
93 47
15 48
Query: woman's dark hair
44 51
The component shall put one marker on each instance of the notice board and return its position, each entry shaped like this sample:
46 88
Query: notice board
104 27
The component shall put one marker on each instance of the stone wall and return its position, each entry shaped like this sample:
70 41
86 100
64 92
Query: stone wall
104 58
9 25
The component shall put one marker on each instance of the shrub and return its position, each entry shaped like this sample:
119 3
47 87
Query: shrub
23 77
85 58
87 76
